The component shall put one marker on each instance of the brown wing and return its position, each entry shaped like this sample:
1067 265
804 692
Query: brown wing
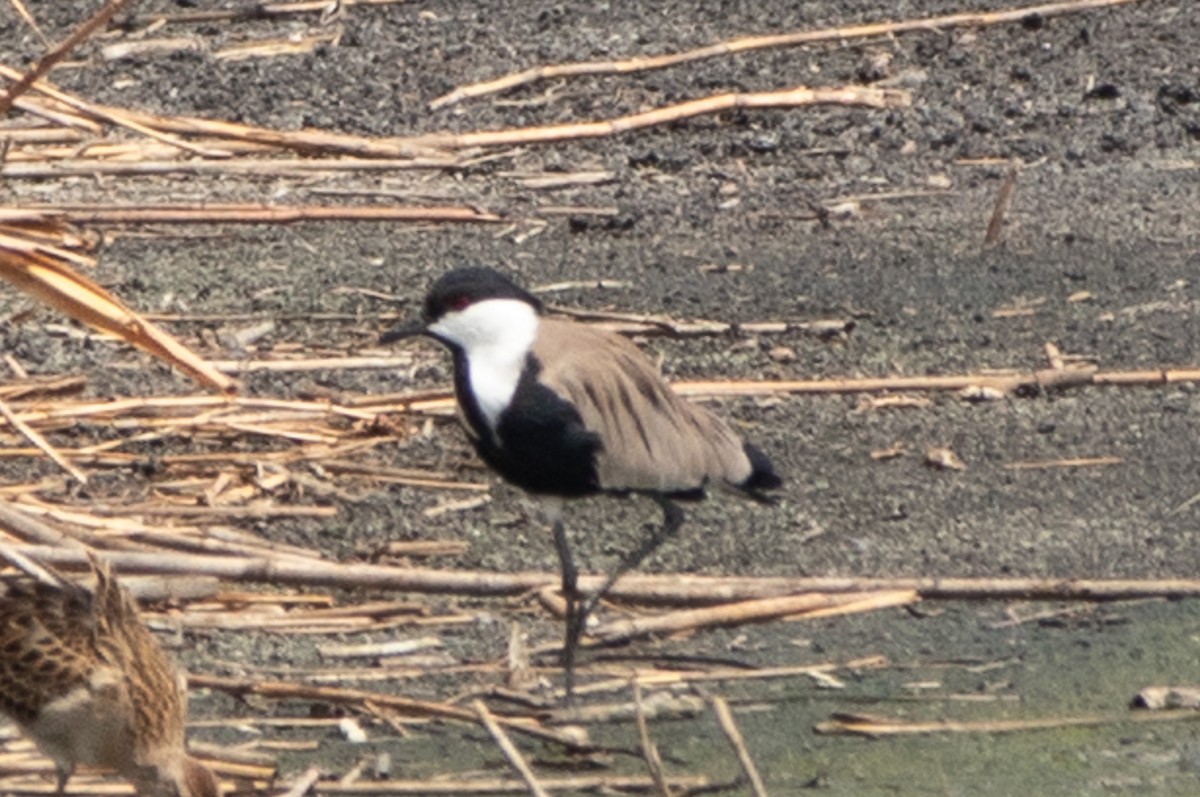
653 439
46 645
155 686
54 640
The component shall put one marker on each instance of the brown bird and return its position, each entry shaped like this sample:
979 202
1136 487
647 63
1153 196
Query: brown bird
83 677
564 410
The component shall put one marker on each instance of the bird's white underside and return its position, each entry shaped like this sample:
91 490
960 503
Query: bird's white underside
495 335
76 728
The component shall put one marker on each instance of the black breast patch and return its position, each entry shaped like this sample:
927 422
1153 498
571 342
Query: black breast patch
543 446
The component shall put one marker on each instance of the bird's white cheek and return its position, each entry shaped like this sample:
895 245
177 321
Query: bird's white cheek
446 329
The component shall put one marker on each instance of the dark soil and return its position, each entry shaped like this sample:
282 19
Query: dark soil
1101 108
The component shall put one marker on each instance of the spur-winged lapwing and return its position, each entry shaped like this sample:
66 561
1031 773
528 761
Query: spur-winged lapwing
565 410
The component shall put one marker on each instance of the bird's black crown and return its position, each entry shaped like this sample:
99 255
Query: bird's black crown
464 286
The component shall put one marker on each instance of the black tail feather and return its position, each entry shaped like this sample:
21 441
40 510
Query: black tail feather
762 475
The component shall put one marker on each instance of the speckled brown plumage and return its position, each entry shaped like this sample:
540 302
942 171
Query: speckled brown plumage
83 677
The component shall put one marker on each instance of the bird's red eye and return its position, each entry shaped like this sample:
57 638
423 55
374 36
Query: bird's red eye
460 302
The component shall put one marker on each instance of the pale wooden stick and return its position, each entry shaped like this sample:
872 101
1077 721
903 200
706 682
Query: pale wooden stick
283 690
865 725
509 749
643 63
304 782
254 12
259 214
730 728
82 167
46 272
788 98
655 677
753 611
27 528
1000 209
30 21
575 785
29 567
668 589
303 140
32 436
47 62
1075 462
371 650
649 750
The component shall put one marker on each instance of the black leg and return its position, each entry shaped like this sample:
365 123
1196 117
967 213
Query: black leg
64 774
577 610
576 617
672 520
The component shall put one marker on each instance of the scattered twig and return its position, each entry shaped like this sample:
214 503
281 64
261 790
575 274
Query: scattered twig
668 589
649 750
258 214
249 13
395 647
1073 462
788 98
32 436
509 749
304 783
734 735
47 61
311 141
730 47
753 611
231 166
44 270
282 690
19 5
1000 209
576 784
876 727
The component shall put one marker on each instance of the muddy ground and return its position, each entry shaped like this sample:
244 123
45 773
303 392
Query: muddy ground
711 219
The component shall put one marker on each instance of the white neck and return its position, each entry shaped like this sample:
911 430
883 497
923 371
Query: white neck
495 335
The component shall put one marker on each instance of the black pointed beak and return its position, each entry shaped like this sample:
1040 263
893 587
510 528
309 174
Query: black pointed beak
401 331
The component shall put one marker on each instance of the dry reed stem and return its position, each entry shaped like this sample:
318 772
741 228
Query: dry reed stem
668 589
23 12
430 150
283 690
309 141
304 782
300 141
1073 462
649 750
55 113
509 749
31 387
45 272
47 62
877 727
657 677
734 735
253 213
275 167
788 98
40 442
643 63
254 12
602 784
745 612
1000 209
